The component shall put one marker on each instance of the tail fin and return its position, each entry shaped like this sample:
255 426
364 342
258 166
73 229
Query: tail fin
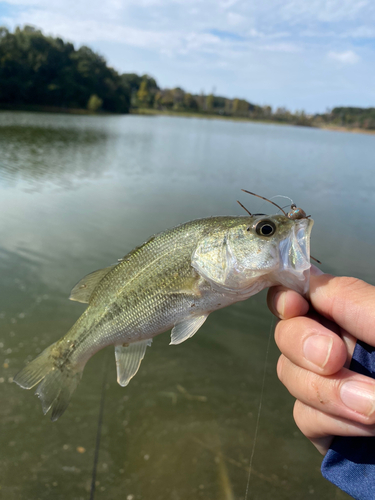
57 381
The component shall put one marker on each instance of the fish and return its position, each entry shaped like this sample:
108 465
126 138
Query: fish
171 282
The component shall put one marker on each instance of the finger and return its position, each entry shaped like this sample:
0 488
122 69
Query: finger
322 444
285 303
350 343
349 302
310 345
320 427
345 394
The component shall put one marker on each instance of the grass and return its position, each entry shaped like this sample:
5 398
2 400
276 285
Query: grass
212 116
184 114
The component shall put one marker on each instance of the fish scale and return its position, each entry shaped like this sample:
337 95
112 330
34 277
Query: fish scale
174 280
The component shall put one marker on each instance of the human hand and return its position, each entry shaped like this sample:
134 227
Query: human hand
317 341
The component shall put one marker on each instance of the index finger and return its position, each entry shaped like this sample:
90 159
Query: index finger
349 302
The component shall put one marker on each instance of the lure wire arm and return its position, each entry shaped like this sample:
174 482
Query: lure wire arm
265 199
244 208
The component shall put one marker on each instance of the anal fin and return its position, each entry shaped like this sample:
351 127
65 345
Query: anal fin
128 360
186 329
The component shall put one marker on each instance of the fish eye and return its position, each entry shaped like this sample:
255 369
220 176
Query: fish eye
265 228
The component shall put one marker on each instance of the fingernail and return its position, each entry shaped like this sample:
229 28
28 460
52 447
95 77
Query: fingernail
315 271
279 304
317 349
358 396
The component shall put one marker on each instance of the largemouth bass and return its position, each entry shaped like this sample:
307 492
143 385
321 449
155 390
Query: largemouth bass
173 281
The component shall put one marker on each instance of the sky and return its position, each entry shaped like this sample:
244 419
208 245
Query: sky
300 54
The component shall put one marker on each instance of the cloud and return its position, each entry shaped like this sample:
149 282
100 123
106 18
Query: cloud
240 18
235 19
282 47
244 48
327 11
227 35
347 57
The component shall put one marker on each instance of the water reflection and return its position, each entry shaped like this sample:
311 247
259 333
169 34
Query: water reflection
59 156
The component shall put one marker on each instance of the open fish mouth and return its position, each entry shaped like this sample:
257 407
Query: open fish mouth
294 253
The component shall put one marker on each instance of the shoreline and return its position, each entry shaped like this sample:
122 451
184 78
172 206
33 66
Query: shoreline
182 114
327 126
34 108
208 116
337 128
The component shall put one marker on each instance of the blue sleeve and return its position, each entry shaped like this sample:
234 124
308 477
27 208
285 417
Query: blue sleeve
350 462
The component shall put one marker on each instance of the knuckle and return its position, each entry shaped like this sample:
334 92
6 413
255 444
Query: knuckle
280 368
279 332
299 415
345 287
284 332
311 422
290 333
371 419
348 283
348 297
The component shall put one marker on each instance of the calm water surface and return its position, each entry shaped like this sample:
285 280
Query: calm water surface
76 193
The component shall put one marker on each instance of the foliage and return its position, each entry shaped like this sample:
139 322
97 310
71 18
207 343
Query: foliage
190 103
46 71
143 89
353 117
210 102
95 103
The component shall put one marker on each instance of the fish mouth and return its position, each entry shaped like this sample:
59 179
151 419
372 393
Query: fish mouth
294 252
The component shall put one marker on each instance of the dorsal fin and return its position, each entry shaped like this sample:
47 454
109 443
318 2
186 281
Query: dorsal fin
84 288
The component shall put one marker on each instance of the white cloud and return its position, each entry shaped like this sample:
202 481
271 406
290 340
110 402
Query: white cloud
347 57
282 47
323 10
227 4
235 19
361 32
249 48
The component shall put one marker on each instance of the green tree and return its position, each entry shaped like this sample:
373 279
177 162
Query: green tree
166 100
133 82
157 99
143 95
178 99
240 107
190 102
210 103
94 103
46 71
267 111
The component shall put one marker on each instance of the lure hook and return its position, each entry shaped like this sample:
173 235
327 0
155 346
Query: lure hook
265 199
294 213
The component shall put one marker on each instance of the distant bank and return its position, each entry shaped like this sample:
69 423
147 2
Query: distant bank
40 73
183 114
332 127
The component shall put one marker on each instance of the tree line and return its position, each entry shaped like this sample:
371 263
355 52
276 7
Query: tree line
147 95
38 70
46 72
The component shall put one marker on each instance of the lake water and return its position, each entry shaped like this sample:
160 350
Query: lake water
77 193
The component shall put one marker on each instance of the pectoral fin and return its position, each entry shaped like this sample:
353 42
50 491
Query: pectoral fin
213 260
128 360
84 288
186 329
